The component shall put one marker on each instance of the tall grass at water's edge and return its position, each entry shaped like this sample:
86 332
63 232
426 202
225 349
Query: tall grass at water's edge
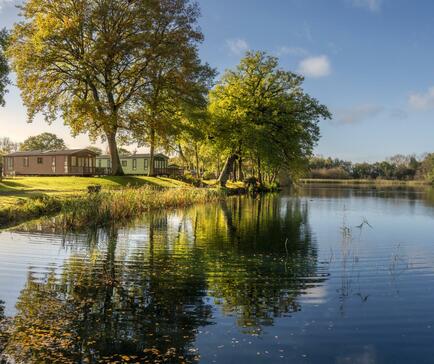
376 182
104 207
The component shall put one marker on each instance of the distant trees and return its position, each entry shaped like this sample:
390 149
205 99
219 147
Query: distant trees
397 167
261 113
94 149
44 142
4 67
6 146
124 152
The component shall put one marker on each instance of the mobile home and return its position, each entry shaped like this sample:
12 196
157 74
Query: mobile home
138 164
76 162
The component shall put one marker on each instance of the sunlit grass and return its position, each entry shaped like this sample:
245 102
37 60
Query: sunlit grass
84 209
229 184
12 190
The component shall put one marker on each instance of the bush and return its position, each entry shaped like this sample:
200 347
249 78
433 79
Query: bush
329 173
209 175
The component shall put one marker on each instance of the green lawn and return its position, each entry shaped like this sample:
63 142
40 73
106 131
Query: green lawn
12 189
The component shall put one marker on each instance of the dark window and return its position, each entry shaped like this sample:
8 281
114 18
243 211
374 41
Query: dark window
40 160
124 163
134 163
26 161
99 163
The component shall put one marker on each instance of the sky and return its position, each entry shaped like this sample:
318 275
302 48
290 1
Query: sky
370 61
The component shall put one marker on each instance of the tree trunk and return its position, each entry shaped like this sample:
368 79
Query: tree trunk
259 172
218 167
151 170
114 155
196 154
182 155
240 169
227 168
234 172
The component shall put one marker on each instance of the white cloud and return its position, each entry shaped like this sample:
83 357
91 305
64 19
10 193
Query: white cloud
293 51
357 113
237 46
372 5
318 66
422 101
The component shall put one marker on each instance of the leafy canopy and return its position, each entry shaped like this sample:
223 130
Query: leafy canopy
4 67
261 109
91 61
44 142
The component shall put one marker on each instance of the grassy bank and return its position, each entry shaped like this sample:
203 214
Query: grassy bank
15 190
374 182
102 208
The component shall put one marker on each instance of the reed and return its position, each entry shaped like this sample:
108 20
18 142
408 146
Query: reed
370 182
105 207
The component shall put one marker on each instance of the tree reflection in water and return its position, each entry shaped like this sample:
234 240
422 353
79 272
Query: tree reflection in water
145 301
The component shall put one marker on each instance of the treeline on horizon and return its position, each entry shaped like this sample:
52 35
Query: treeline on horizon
129 72
398 167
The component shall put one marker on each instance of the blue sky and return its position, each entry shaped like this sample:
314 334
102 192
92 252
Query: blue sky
370 61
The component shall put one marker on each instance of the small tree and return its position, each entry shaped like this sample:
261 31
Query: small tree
44 142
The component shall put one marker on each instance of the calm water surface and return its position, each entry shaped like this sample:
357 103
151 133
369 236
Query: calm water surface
328 275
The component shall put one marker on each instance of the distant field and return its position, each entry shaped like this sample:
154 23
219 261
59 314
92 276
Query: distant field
384 182
12 189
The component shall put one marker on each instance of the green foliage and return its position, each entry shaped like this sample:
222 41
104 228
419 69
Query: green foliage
94 149
260 110
92 61
398 167
44 142
123 151
4 67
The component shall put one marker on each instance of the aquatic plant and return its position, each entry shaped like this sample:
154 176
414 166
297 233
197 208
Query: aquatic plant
123 205
104 207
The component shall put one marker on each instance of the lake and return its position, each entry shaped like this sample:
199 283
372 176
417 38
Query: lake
327 274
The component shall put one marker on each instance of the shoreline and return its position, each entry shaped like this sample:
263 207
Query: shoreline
373 182
102 208
98 201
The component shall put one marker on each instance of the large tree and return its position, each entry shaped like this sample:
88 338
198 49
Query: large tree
178 84
44 142
87 60
4 67
262 111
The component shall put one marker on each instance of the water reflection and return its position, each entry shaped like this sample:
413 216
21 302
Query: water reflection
142 294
